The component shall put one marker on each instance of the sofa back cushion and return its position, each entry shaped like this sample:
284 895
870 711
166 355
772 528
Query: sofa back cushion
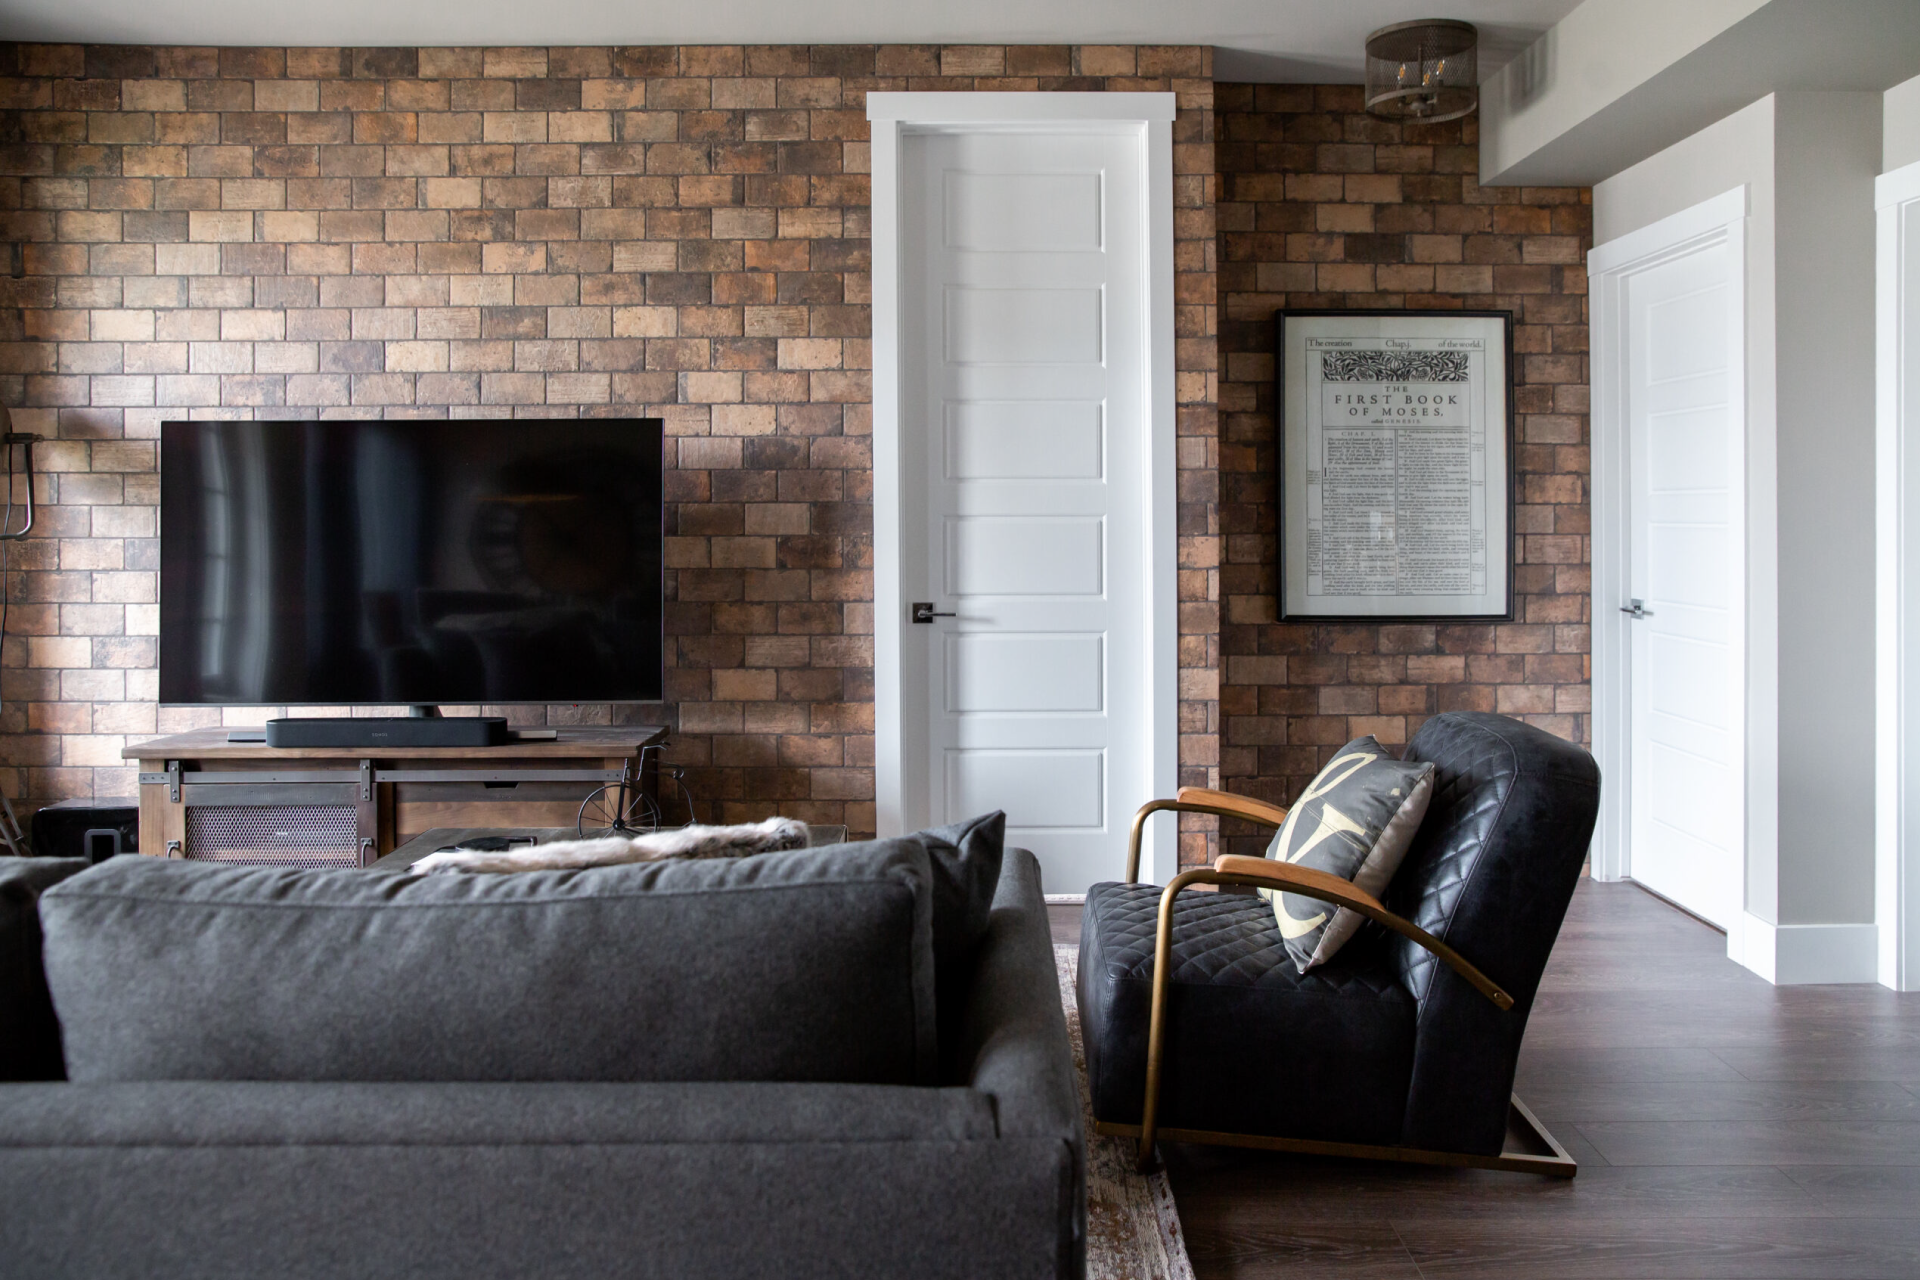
811 965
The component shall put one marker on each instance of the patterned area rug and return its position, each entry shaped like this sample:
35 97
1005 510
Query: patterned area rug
1133 1230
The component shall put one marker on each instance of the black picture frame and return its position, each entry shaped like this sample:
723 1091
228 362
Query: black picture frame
1501 563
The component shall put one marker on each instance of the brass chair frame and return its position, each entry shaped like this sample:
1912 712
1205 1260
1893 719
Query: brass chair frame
1529 1148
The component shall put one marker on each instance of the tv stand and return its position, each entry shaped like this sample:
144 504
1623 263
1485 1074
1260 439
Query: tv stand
207 798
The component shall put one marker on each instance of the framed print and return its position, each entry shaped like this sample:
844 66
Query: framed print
1396 498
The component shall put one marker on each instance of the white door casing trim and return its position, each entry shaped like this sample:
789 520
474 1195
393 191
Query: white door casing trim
1897 582
901 803
1638 249
1719 221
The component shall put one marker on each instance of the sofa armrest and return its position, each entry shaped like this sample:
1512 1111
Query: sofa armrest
1014 1048
1014 1035
30 1047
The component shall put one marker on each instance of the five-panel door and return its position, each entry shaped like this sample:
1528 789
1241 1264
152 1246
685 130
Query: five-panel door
1024 410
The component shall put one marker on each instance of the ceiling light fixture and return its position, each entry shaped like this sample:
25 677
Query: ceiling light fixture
1425 70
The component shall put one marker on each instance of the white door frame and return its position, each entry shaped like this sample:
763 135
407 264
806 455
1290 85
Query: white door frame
901 802
1721 220
1897 572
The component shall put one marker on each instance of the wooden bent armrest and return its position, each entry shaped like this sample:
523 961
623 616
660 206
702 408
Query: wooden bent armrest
1268 873
1199 800
1230 805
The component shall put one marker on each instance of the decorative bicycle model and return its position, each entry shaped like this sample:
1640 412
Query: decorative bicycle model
624 808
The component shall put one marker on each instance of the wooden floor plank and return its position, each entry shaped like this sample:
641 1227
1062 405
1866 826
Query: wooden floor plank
1725 1127
1675 1102
1300 1190
1865 1192
1228 1245
1895 1063
1668 1248
1774 1142
1562 1065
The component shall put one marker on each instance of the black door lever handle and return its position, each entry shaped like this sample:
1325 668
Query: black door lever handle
923 611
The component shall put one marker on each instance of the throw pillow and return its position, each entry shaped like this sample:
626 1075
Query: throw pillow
1355 820
966 870
965 858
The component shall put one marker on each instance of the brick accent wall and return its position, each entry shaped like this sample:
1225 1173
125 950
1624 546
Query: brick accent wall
1322 205
492 232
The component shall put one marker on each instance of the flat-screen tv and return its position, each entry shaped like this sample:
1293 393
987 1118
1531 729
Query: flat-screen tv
423 563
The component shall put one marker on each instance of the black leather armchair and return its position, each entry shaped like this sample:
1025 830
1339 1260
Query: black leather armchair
1198 1027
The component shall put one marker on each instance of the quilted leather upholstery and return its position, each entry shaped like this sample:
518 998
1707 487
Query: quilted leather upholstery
1255 1046
1490 873
1224 939
1384 1044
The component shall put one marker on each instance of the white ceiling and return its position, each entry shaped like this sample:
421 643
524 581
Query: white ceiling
1299 41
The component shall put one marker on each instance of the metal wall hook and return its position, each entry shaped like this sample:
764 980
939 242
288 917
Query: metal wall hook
25 440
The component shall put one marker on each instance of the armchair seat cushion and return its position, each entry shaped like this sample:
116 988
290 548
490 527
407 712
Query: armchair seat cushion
1254 1045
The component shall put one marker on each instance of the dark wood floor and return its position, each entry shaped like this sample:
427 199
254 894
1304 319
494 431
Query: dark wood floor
1724 1128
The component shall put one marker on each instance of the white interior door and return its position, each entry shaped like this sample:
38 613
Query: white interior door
1025 487
1687 646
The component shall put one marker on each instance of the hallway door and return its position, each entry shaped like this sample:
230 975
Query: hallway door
1687 656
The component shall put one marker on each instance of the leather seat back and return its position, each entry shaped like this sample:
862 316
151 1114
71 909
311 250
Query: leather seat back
1490 873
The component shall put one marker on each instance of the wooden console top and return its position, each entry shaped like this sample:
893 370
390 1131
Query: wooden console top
572 743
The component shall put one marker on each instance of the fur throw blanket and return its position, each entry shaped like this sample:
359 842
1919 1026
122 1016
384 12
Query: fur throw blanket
739 841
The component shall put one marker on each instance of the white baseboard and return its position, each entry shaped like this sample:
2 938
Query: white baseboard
1065 899
1805 954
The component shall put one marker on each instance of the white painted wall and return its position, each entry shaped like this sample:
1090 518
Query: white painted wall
1719 158
1809 160
1617 81
1900 126
1827 154
1303 41
1587 61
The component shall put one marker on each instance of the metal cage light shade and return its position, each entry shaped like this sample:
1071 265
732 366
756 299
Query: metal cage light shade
1426 70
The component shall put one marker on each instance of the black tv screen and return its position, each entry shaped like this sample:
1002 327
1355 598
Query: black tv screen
470 561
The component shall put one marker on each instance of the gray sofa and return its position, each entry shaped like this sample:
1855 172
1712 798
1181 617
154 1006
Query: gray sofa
602 1125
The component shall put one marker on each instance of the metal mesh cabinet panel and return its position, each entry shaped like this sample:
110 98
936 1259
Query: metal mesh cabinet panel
309 835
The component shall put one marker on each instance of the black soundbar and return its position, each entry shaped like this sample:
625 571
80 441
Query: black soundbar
389 731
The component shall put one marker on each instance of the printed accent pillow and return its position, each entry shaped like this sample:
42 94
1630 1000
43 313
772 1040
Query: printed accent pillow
1355 820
